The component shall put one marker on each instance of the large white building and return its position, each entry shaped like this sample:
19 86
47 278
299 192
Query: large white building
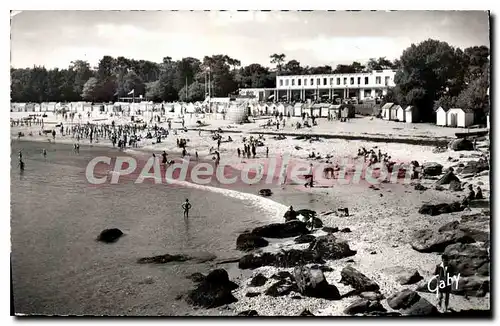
301 87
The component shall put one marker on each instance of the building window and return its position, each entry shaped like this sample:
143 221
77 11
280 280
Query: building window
299 81
359 80
305 82
352 80
312 81
293 82
318 81
345 80
378 80
338 81
286 82
281 82
387 81
324 81
331 81
366 80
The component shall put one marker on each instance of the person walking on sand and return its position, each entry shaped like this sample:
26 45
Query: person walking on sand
44 153
21 164
186 207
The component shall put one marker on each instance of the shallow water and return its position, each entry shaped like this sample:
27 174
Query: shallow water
59 268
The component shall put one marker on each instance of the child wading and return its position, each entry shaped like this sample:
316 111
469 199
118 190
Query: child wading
186 207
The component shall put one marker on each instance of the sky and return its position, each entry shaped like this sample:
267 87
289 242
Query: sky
314 38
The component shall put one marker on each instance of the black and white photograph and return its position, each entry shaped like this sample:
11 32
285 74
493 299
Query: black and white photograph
250 163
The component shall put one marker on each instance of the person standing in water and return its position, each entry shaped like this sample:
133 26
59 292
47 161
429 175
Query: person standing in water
186 207
44 153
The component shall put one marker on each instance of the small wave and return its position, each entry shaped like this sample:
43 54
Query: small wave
277 210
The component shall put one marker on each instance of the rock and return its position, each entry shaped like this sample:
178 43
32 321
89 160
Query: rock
357 280
474 286
346 230
438 188
196 277
306 238
109 235
468 259
372 296
364 306
383 314
213 291
474 167
432 169
249 241
148 280
265 192
447 178
163 259
305 313
280 288
328 229
403 299
462 144
281 230
297 297
373 252
419 187
290 216
252 294
433 210
317 223
329 247
409 277
323 268
421 308
477 235
455 185
258 280
307 213
290 258
248 313
282 275
312 283
434 241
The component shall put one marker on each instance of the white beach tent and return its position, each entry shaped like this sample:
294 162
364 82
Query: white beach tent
386 111
441 117
281 108
411 114
400 113
458 117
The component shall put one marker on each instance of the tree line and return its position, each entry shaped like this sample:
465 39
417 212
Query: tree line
429 74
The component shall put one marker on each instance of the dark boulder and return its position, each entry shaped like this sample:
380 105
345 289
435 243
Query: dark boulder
403 299
461 144
362 306
306 313
329 247
432 169
163 259
447 178
421 308
213 291
329 229
282 275
248 313
109 235
474 167
317 223
420 187
252 294
359 281
468 259
372 296
312 283
477 235
281 230
258 280
289 258
434 241
265 192
249 241
306 238
409 277
323 268
281 288
473 286
433 210
290 216
345 230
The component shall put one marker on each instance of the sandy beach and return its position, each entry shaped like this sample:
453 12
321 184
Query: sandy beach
382 220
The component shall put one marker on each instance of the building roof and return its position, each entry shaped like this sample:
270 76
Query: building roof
445 110
387 106
464 110
409 108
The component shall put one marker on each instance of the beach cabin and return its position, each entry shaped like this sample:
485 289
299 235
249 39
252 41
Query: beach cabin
334 111
411 114
386 111
441 116
289 109
458 117
325 110
190 108
316 109
347 111
297 109
177 108
400 113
